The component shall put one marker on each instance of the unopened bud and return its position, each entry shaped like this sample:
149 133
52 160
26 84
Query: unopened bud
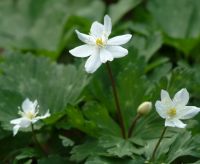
144 108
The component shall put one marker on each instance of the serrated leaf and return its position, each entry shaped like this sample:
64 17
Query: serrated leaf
53 85
89 148
119 147
182 145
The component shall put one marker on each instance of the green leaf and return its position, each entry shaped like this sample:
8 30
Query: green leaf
147 45
119 147
53 85
117 10
183 145
76 120
100 116
100 160
89 148
39 25
66 142
27 153
179 20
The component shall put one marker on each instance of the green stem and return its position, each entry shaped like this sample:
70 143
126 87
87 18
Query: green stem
119 113
130 132
36 141
158 143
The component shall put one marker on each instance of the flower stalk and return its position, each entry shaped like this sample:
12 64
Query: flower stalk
37 143
136 118
158 143
119 113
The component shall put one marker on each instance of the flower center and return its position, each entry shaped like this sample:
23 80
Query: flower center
30 115
172 112
99 42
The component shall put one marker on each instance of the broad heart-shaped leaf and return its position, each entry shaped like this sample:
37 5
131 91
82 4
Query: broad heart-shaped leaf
179 20
53 85
39 25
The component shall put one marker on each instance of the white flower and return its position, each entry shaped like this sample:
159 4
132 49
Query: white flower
29 115
175 110
98 47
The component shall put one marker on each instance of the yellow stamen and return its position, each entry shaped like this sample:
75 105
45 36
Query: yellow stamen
99 42
30 115
172 112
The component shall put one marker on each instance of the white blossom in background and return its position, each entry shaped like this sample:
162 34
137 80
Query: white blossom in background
98 47
173 111
28 114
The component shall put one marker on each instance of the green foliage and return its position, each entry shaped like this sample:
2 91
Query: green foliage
179 20
40 25
53 85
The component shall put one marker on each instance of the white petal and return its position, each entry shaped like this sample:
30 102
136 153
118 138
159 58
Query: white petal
97 29
82 51
179 123
165 97
174 123
107 25
27 105
169 122
181 98
117 51
105 55
119 40
161 109
85 38
21 122
15 129
16 121
24 123
189 112
93 62
47 114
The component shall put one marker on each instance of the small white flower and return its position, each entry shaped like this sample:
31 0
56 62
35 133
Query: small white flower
173 111
29 115
98 47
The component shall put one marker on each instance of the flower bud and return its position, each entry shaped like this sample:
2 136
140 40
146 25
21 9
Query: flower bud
144 108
